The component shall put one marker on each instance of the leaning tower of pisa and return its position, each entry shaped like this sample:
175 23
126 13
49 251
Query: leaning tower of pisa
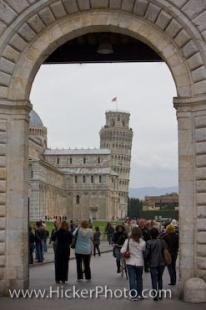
117 136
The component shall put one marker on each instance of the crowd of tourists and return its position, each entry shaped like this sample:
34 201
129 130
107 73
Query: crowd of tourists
145 246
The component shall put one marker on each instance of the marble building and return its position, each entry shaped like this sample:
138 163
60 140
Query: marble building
80 183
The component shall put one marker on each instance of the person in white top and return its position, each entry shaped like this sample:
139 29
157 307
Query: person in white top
135 246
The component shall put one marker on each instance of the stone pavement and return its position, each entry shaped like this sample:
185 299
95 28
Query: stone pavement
103 273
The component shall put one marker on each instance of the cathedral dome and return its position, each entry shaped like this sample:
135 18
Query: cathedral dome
35 120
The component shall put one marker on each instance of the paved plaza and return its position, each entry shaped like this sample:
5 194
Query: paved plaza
103 273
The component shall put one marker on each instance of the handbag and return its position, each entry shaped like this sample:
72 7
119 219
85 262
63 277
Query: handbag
166 254
167 257
74 240
126 254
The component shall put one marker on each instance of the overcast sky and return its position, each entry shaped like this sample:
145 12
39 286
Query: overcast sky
72 99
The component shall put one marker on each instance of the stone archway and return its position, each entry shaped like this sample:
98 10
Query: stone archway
30 31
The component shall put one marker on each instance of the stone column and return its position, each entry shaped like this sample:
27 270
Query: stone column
14 123
191 116
186 162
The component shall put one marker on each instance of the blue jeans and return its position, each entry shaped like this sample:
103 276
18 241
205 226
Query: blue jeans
39 252
135 280
45 245
156 277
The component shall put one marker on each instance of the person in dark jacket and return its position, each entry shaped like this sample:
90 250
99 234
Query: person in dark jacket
96 241
39 241
109 231
46 236
172 241
154 254
63 238
118 239
31 245
52 239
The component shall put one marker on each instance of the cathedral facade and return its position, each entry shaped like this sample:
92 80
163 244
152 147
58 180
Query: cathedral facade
80 183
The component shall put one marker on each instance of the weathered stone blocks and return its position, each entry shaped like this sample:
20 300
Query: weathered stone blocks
6 13
201 198
58 9
195 290
47 16
152 12
2 27
163 20
2 173
2 235
115 4
201 237
173 28
200 122
128 5
2 210
2 248
201 250
140 7
182 38
195 61
11 54
2 260
189 49
201 225
26 32
6 65
36 23
2 223
71 6
18 43
193 8
201 211
99 4
83 4
18 5
4 78
2 198
2 186
199 74
201 148
200 134
200 87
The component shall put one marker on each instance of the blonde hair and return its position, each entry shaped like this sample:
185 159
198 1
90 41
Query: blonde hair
170 229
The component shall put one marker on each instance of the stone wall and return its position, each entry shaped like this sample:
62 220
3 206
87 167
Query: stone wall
75 160
48 196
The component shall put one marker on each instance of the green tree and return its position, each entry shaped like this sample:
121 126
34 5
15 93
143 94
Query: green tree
134 208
